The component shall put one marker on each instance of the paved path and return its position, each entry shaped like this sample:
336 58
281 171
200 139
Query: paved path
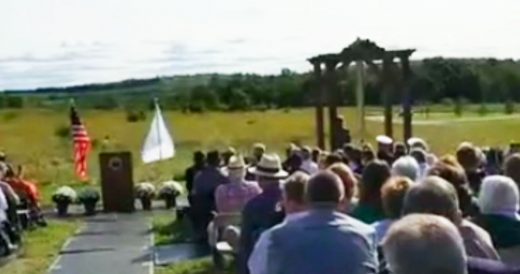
108 244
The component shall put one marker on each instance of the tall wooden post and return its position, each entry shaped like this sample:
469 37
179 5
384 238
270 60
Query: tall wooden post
407 98
387 95
319 95
332 100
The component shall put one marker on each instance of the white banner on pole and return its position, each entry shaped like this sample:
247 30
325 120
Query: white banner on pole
159 143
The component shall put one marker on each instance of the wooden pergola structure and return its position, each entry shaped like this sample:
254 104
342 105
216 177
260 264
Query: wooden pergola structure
327 91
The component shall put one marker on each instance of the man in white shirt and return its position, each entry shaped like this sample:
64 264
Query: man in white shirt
308 165
4 206
294 205
4 238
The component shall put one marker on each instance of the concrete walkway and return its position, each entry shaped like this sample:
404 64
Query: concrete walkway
108 244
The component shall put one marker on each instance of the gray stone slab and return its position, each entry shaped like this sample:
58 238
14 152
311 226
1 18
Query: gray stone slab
111 243
171 254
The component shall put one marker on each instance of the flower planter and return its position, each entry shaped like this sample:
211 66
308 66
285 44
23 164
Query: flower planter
62 208
90 207
170 202
146 203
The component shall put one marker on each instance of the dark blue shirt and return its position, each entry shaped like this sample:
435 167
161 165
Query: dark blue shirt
259 214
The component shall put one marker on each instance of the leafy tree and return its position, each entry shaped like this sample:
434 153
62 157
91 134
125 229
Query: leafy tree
240 100
203 97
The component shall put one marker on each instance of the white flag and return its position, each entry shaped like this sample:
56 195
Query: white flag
158 144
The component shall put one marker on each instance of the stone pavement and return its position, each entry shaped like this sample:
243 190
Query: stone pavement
108 244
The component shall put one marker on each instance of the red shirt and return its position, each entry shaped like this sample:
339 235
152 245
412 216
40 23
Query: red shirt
25 189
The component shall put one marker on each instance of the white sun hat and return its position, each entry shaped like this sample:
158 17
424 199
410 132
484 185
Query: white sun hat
385 140
236 162
269 166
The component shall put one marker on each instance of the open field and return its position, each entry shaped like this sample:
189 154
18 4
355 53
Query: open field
41 246
30 137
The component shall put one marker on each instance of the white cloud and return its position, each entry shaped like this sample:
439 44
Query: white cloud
58 42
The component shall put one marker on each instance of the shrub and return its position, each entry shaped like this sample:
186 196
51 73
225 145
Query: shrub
133 116
197 107
145 190
458 107
9 116
170 189
13 102
64 194
483 109
62 132
88 195
509 106
106 103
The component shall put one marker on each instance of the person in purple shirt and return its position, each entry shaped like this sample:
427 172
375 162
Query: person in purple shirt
261 212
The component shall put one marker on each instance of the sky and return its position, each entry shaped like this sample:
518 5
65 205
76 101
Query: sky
69 42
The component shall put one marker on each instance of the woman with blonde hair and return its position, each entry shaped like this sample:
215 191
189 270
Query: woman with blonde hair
392 195
349 183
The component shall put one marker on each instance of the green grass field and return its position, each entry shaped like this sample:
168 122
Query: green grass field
168 230
40 248
29 137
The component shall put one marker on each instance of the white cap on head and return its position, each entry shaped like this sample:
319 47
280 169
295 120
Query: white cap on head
385 140
418 142
414 140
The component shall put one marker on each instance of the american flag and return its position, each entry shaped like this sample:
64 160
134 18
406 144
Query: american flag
81 144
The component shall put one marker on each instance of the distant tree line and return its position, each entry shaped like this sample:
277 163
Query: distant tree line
435 80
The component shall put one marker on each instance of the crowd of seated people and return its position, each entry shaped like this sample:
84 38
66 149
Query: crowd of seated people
399 209
19 205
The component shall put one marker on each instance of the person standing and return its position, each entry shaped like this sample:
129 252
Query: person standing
199 162
204 187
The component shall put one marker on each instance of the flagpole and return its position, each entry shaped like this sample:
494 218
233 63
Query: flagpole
157 126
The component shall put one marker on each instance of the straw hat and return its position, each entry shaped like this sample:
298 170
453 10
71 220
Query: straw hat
236 162
384 140
230 151
259 146
269 166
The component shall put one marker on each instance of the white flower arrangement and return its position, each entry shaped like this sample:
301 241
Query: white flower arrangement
170 189
88 194
64 194
145 190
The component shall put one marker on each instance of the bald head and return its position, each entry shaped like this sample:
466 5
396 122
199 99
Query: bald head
424 244
433 195
325 187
